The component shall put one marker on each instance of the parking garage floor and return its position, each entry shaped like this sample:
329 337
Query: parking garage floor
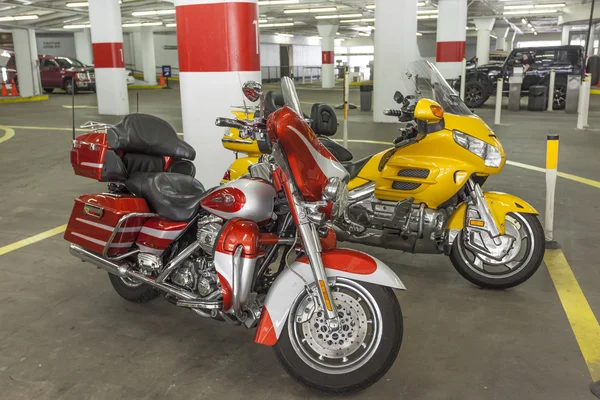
65 334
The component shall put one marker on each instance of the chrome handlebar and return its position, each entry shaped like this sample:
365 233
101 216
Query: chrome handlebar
248 129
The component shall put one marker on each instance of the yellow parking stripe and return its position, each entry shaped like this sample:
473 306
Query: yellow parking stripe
581 317
572 177
33 239
8 133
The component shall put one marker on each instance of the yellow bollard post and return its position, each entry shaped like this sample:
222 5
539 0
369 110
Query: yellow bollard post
346 96
551 169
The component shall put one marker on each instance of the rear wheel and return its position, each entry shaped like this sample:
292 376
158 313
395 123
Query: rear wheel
519 263
132 290
355 356
476 93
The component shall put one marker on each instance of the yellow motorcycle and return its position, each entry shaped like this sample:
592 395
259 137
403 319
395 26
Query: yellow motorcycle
424 194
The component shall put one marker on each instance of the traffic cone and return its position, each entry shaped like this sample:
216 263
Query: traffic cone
4 91
13 89
161 82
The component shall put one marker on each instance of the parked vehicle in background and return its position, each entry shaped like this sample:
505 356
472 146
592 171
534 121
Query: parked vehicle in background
65 73
129 77
564 60
495 57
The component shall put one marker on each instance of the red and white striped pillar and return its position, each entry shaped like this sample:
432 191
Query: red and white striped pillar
327 33
451 37
219 49
109 59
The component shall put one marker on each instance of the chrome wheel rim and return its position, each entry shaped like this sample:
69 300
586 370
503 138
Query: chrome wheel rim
518 255
132 283
344 350
473 94
559 96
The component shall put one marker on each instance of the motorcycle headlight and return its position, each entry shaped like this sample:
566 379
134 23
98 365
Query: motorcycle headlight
490 154
336 192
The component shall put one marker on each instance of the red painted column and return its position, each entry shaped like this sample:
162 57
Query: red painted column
327 33
109 59
451 37
219 49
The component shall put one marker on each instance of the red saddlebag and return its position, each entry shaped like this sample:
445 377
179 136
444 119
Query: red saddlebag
95 216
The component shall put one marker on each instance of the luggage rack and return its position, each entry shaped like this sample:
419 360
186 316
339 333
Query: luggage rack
96 126
122 220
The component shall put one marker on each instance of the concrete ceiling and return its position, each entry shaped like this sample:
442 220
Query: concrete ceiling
54 14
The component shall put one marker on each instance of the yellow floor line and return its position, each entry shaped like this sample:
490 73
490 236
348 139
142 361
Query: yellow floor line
143 87
71 107
8 133
572 177
45 128
581 317
33 239
23 99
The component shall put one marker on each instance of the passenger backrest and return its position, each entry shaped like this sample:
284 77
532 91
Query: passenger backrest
323 120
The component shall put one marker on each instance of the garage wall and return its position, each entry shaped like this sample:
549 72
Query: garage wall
306 55
269 55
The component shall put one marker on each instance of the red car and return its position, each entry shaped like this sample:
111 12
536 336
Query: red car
65 73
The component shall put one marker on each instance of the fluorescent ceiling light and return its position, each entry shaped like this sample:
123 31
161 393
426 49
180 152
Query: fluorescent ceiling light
535 11
427 16
421 12
310 10
535 33
471 28
77 4
371 6
530 6
315 37
523 20
337 33
419 34
136 24
76 26
338 16
262 21
276 2
285 34
172 25
276 24
363 34
420 3
153 12
19 18
346 21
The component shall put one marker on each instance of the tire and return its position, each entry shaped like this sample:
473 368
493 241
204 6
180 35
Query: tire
560 97
69 87
130 290
370 365
464 259
593 67
476 93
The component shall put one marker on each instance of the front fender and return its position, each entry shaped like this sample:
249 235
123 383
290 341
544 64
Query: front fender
346 263
499 203
239 168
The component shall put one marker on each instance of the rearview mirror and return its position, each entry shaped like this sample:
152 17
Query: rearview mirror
252 90
398 97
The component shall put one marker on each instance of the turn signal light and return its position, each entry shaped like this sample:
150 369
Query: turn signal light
437 111
476 222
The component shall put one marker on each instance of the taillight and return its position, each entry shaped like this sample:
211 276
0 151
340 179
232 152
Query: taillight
227 176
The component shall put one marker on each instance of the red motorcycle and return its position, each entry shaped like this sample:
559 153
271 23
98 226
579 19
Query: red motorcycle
256 252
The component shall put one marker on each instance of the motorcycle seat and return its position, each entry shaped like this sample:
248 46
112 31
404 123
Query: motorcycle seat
171 195
338 151
354 168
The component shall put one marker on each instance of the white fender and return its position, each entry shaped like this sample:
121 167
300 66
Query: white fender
344 263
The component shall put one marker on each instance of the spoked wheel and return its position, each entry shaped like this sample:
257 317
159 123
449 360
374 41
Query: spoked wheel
352 357
133 290
475 94
560 97
519 262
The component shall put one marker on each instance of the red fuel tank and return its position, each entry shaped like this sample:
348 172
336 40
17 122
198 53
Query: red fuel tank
251 199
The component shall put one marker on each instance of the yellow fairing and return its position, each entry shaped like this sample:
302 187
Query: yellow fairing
232 140
500 204
449 165
240 167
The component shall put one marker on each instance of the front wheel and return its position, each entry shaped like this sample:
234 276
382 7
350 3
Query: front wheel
355 356
476 93
519 263
69 86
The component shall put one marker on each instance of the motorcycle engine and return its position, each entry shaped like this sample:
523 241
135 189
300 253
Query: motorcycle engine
197 275
208 233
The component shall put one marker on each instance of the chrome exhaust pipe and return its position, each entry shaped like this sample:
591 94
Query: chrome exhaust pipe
124 271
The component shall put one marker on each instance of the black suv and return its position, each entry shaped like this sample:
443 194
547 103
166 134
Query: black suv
537 62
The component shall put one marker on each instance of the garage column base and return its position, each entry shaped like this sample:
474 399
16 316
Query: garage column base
595 388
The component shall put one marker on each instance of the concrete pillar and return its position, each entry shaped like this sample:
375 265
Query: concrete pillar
109 58
501 34
327 33
564 39
26 57
83 46
395 47
484 27
511 41
216 56
148 58
451 37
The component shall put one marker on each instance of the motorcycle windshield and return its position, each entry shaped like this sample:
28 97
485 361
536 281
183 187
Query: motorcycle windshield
290 96
426 82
